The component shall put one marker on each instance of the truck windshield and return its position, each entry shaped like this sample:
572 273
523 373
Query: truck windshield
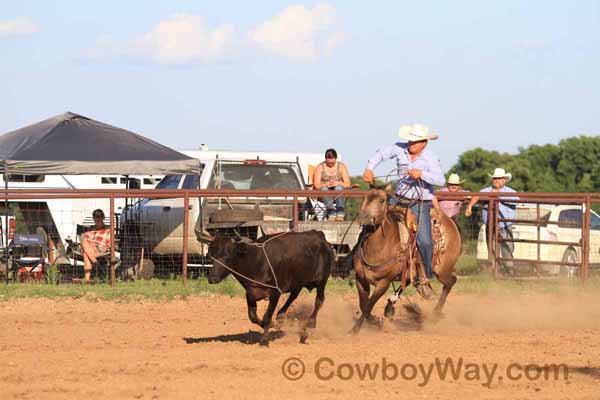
255 177
169 182
191 182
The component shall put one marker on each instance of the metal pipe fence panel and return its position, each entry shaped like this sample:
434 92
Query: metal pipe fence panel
156 232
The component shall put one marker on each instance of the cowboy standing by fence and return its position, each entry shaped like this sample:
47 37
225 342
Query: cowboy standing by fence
450 207
419 170
506 210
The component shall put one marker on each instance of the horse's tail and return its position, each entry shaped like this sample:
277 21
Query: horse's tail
333 263
452 245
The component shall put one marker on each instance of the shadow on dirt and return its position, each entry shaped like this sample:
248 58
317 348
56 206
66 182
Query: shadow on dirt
592 372
410 320
250 337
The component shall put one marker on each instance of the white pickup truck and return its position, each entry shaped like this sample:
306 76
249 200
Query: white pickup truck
567 228
156 225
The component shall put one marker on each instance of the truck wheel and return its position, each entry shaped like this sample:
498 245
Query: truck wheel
569 271
236 215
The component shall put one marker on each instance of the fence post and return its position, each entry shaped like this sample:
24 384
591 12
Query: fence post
585 237
295 223
112 239
6 227
497 252
186 217
491 259
538 225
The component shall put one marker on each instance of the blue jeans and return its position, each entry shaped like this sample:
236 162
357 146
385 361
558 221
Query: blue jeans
329 202
424 240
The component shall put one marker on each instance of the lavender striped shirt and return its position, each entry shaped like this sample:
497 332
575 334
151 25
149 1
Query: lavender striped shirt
426 162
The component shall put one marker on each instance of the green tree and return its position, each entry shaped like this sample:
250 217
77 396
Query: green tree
570 166
353 204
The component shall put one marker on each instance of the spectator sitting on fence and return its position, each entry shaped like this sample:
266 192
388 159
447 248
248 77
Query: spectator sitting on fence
506 210
94 243
450 207
332 175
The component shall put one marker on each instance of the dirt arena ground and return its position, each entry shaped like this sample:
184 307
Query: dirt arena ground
204 347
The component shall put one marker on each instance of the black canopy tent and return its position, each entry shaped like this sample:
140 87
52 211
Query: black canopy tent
71 144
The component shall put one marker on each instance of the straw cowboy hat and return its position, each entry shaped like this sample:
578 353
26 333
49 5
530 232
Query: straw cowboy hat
416 132
501 173
454 179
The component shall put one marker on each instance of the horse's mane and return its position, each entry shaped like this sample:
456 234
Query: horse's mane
377 187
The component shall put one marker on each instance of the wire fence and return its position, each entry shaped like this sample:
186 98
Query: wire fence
156 233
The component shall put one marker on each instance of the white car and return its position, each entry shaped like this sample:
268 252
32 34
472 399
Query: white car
567 228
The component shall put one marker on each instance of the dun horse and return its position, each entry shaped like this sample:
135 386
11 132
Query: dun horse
381 255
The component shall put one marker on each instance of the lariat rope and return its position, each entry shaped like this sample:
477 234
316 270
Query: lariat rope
261 246
246 277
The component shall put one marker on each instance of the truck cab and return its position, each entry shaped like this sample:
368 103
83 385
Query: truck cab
156 224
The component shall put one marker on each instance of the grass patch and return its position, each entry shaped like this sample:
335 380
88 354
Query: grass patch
485 284
155 289
467 265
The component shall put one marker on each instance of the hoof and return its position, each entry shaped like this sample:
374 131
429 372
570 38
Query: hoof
264 342
303 338
389 310
425 291
413 308
375 322
354 331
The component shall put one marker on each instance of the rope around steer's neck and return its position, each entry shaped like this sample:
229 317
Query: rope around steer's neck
261 246
248 278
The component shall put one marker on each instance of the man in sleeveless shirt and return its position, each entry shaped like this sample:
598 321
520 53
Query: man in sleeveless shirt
332 175
418 170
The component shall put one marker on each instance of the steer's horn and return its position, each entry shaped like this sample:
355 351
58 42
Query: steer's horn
206 237
242 238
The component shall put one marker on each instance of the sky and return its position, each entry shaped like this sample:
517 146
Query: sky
306 76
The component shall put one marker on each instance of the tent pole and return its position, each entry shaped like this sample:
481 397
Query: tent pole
6 226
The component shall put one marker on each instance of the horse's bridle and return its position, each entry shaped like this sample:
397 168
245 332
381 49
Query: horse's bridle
373 267
390 261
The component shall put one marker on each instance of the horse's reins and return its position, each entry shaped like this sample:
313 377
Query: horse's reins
261 246
390 261
412 243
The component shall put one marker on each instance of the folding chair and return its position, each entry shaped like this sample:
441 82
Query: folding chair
101 268
29 257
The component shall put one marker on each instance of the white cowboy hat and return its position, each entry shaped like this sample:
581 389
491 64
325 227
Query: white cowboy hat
416 132
501 173
454 179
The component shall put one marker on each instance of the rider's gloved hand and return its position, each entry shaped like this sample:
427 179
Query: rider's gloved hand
415 173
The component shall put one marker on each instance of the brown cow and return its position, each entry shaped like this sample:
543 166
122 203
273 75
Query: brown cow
273 265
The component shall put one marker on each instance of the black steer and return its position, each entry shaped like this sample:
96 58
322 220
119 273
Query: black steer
298 259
